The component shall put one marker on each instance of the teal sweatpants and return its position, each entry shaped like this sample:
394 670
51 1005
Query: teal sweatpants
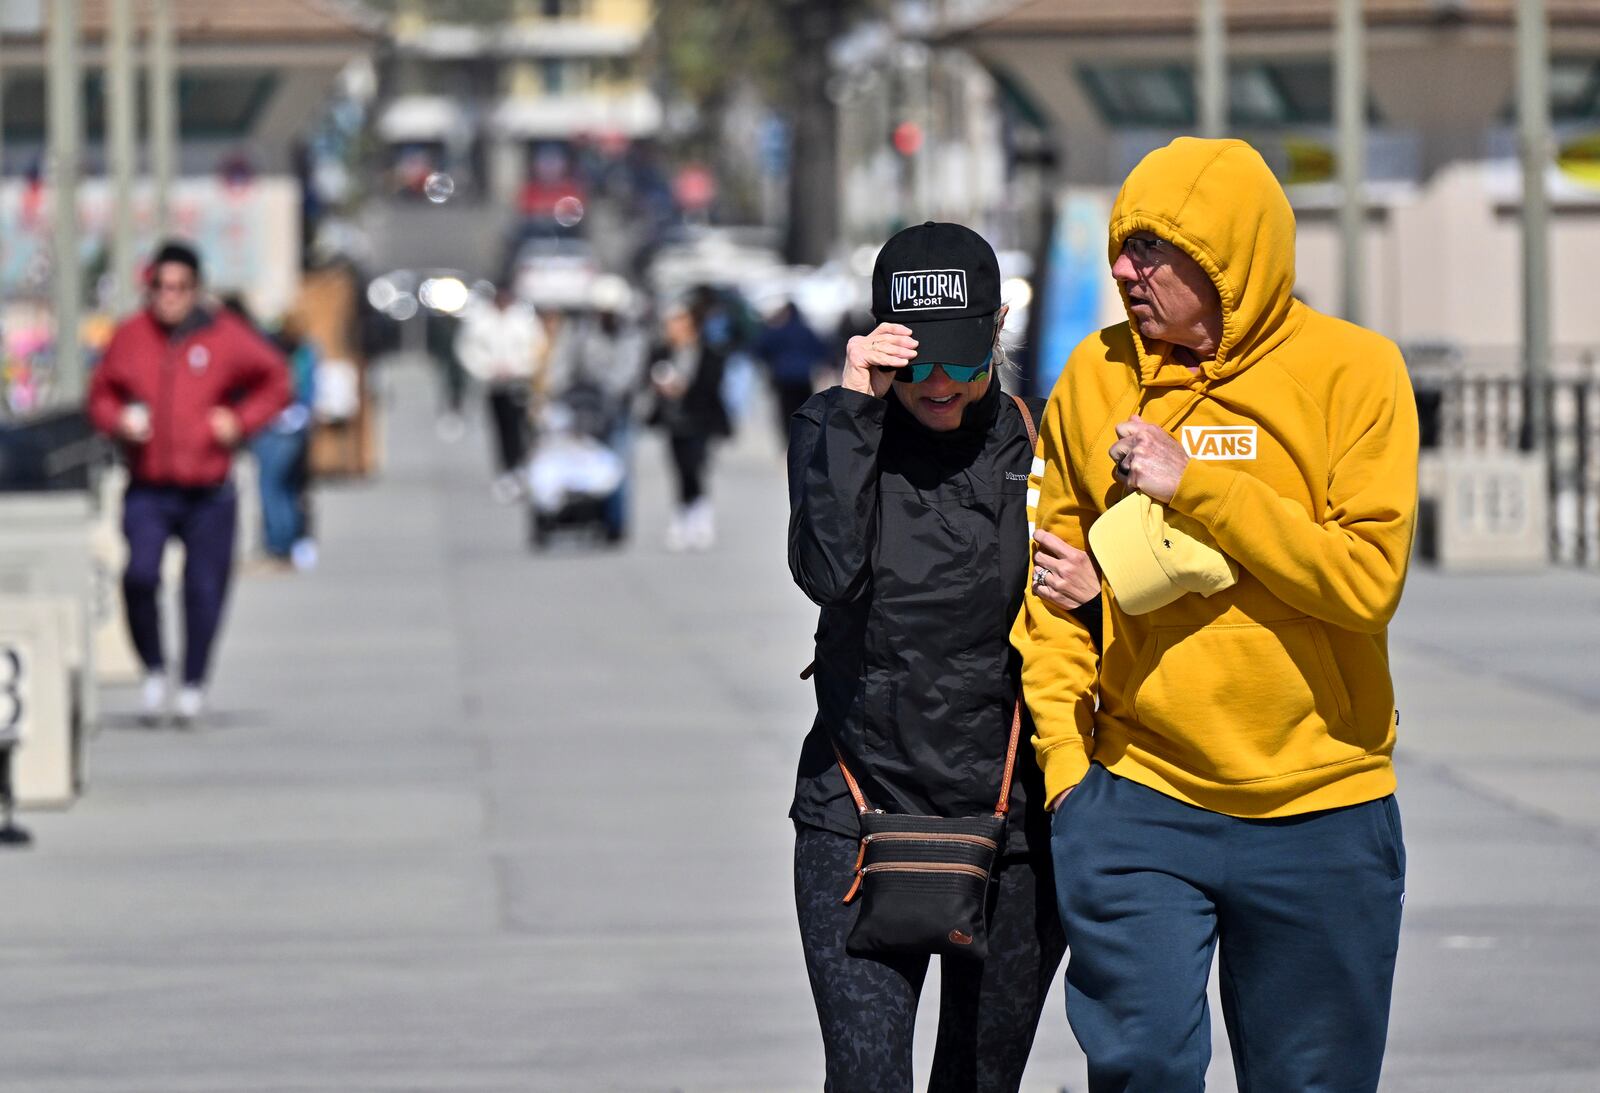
1305 909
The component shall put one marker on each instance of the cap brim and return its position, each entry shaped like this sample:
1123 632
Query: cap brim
965 342
1120 542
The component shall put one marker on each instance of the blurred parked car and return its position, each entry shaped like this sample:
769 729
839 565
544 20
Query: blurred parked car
554 272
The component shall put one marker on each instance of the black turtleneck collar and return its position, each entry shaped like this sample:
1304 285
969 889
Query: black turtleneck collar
976 419
199 318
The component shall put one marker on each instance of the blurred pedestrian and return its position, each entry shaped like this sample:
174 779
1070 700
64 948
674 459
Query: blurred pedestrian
282 449
602 347
729 325
181 385
907 497
1220 771
502 344
686 378
793 353
283 457
440 331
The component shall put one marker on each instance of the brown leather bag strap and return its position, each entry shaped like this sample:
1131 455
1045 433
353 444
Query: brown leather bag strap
1027 420
849 780
1004 804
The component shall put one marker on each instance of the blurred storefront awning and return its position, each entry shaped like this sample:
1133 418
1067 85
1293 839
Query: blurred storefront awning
1030 19
322 25
251 75
422 118
632 115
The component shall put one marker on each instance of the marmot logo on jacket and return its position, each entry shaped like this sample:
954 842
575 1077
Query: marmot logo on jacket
1220 441
929 289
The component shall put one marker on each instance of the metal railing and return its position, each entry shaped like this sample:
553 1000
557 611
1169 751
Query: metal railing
1475 401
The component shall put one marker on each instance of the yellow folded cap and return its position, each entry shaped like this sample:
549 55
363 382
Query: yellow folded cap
1151 557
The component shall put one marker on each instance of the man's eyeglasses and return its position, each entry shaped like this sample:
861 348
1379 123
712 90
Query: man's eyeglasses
959 373
172 286
1146 249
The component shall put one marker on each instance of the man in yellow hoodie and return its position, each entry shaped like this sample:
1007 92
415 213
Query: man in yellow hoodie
1220 768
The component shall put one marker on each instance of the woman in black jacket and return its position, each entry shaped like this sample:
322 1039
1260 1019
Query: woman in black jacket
686 376
908 527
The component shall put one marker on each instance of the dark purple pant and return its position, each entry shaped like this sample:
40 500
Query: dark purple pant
203 519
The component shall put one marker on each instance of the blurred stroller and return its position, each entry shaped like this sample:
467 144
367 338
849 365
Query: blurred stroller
576 478
579 474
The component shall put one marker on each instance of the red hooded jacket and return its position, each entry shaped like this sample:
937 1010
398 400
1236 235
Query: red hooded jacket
213 359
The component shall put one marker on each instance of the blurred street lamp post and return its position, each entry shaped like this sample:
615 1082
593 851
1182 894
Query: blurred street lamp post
1211 69
120 105
1533 125
1350 70
2 121
163 110
65 138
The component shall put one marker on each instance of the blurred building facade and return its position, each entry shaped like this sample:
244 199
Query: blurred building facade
251 80
501 103
1443 186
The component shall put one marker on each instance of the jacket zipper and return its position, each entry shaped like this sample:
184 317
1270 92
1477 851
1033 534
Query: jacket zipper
924 867
168 397
930 837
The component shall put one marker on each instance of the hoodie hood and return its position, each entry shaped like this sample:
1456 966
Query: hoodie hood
1220 203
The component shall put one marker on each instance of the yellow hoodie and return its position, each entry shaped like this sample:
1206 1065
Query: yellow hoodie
1272 697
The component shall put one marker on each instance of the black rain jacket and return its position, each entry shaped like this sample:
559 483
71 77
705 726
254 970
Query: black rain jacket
915 545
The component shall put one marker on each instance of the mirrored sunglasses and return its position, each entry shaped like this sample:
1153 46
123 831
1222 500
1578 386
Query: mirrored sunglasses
958 373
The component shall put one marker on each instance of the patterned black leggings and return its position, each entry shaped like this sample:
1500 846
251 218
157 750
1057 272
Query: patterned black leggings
868 1008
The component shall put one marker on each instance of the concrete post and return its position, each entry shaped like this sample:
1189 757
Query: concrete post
1211 68
120 146
65 128
163 97
1533 127
1351 108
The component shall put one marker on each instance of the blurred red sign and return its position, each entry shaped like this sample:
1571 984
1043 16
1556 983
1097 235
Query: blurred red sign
907 138
695 188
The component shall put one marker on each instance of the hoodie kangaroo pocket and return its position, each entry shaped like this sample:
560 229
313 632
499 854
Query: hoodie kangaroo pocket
1245 702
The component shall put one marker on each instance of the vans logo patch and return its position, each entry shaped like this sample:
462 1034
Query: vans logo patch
928 289
1220 441
1012 476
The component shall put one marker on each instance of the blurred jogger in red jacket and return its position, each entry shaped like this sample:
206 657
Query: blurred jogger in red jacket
180 386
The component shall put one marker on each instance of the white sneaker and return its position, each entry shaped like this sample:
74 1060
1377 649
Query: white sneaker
678 533
191 701
304 555
153 699
506 489
702 526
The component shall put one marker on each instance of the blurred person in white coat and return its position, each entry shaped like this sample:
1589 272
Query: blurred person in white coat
502 345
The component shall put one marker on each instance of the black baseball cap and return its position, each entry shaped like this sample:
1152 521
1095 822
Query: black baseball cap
942 281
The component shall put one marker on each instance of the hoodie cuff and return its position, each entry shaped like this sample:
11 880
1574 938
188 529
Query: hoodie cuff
1203 492
1065 766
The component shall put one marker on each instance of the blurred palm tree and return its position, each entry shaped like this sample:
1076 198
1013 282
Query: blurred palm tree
707 49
